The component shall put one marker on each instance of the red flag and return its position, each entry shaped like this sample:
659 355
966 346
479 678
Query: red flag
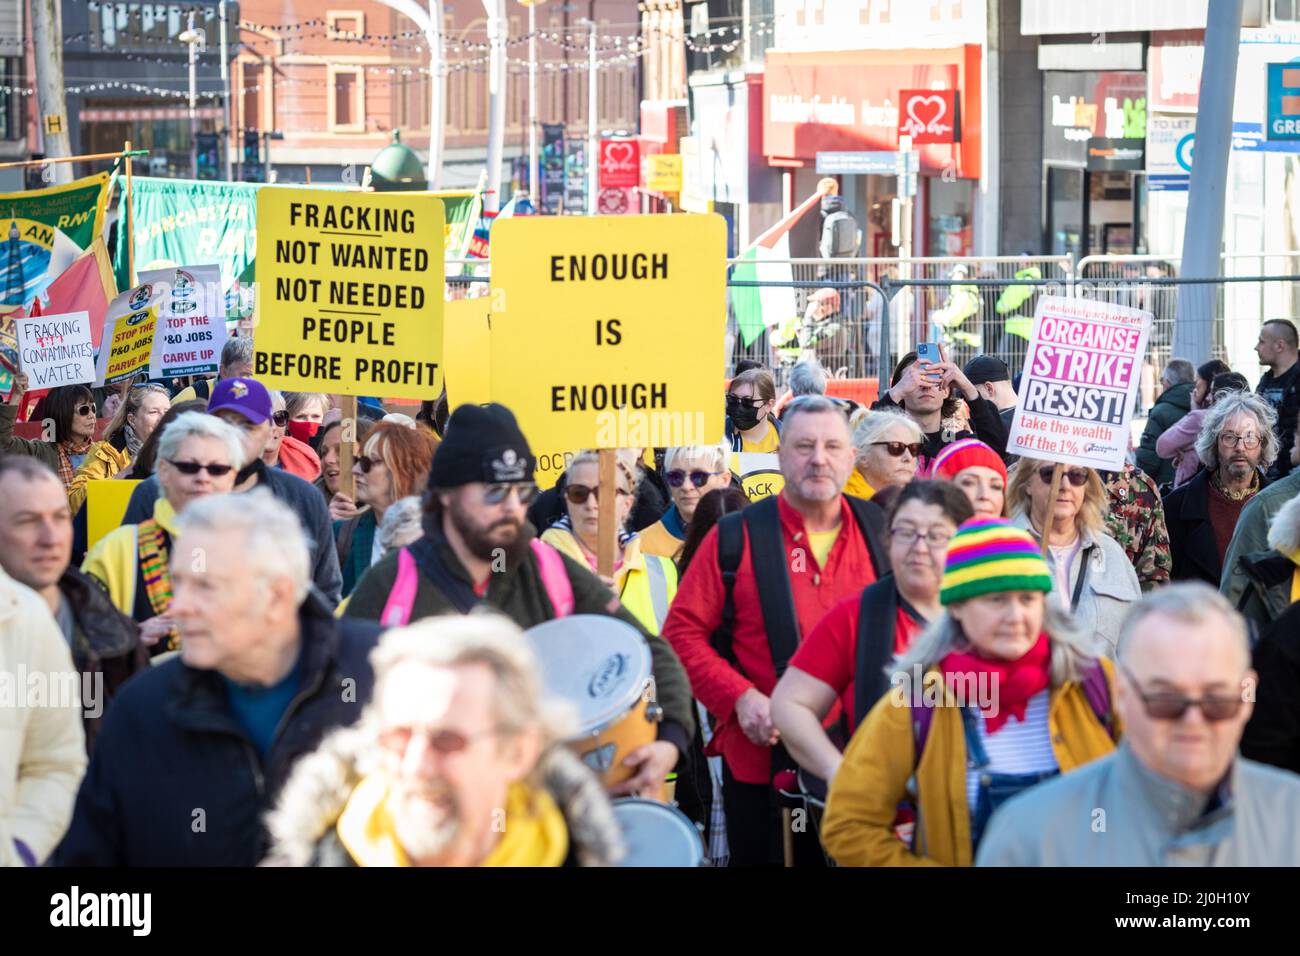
85 286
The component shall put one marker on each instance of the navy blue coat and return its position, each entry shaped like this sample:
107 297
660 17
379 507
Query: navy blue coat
176 781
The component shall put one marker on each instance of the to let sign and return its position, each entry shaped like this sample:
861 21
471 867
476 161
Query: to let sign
929 116
353 299
585 307
619 163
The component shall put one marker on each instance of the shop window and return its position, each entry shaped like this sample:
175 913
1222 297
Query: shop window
1288 10
950 209
345 24
346 99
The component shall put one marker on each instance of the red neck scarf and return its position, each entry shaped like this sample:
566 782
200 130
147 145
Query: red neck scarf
1012 683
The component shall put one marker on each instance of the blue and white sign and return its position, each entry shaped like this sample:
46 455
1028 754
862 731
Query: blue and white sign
1283 121
1170 137
867 163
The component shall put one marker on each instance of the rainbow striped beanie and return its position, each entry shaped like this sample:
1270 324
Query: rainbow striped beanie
988 556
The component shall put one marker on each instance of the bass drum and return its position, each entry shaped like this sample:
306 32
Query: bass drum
656 834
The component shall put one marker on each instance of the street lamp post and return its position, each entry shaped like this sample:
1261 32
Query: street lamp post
196 40
593 142
430 22
225 94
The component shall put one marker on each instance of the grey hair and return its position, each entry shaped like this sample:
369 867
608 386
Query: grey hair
489 639
294 402
1189 602
201 425
277 398
1178 372
715 457
1227 404
869 426
1071 648
401 523
274 542
590 456
237 351
808 378
811 405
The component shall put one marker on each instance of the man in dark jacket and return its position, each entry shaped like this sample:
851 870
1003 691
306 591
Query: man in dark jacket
246 404
195 751
35 547
477 550
1178 381
1278 349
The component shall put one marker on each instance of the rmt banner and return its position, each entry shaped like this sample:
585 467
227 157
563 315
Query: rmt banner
350 292
1080 380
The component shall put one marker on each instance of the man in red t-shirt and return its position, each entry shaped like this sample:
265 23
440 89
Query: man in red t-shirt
827 557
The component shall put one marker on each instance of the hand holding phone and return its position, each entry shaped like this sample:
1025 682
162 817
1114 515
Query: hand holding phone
928 352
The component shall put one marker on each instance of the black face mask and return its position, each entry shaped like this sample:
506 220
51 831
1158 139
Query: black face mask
742 416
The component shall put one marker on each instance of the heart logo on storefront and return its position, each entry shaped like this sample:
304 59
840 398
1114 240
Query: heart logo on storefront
938 108
618 154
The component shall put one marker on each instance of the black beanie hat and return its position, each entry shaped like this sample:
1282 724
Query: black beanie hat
481 443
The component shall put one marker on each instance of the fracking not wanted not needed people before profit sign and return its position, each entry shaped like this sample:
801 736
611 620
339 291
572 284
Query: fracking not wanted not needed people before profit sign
353 301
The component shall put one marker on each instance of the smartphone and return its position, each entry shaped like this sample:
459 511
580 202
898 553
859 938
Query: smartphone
929 352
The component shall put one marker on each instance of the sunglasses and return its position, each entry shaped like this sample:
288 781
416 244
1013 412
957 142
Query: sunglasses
495 494
86 409
896 448
280 418
365 463
1167 706
677 477
578 494
194 467
1075 476
445 742
745 402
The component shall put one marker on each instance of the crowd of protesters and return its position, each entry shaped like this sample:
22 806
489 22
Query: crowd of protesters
309 640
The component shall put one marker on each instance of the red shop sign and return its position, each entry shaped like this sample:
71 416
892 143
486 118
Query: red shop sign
620 163
929 116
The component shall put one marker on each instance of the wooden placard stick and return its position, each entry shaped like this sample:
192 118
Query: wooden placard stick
348 437
606 531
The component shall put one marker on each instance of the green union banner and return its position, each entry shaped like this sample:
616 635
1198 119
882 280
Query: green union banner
45 231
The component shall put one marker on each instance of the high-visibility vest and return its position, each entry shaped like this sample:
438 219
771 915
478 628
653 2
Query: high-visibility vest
648 592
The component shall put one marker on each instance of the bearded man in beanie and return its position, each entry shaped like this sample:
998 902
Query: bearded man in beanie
478 549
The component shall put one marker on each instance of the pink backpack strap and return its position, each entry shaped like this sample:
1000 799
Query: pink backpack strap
554 577
397 610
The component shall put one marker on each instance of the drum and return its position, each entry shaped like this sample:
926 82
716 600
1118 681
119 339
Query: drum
656 834
601 665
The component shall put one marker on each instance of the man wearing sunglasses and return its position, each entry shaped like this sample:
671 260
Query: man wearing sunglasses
1175 793
246 404
478 550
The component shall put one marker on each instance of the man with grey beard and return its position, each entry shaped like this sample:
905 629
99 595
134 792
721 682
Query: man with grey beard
456 763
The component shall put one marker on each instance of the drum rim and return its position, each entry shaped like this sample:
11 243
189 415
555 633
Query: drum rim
640 804
615 708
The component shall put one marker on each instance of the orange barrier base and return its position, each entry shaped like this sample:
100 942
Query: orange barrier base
864 391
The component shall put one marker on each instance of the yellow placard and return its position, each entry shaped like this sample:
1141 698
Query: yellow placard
465 352
106 501
131 344
664 172
350 292
607 331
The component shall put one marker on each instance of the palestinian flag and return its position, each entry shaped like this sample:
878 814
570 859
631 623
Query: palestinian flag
768 260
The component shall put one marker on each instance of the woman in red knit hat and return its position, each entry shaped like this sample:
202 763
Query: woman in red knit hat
977 470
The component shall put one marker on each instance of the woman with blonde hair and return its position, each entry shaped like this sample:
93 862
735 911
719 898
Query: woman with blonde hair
996 695
888 445
1095 581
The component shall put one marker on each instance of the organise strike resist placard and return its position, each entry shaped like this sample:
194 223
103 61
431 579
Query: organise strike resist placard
1081 374
350 292
607 332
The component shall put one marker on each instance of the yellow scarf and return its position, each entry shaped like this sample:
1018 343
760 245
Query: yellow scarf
534 835
857 486
1295 578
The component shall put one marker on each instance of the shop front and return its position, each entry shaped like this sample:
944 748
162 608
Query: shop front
860 102
1094 154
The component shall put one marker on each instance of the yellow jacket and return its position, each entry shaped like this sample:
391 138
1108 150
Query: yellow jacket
102 461
857 486
115 558
857 829
646 583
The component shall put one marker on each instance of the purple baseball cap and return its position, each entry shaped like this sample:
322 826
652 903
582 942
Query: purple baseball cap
247 396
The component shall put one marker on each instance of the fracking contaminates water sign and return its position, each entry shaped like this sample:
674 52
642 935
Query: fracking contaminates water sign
607 332
1080 380
350 292
55 349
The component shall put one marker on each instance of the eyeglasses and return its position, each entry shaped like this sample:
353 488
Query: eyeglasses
677 477
1169 706
280 418
896 448
745 402
86 408
365 463
1075 476
936 538
445 742
578 494
1231 440
495 494
194 467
